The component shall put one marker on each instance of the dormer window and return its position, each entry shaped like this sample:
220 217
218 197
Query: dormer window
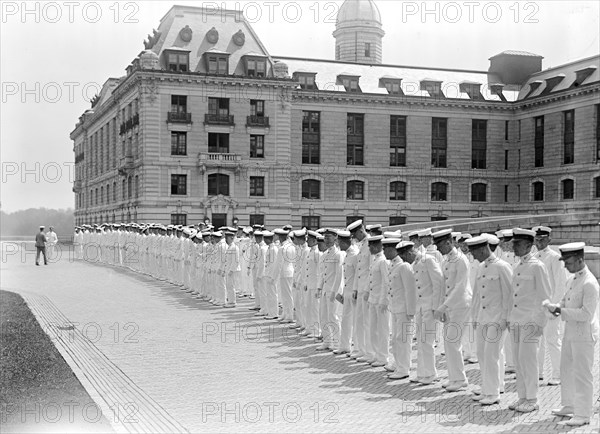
256 66
434 88
392 85
177 61
350 83
582 74
533 86
306 80
217 62
497 89
472 89
551 83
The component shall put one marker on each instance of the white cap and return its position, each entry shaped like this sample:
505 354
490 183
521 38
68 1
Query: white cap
391 242
354 225
424 232
394 234
344 234
404 245
374 238
441 234
478 241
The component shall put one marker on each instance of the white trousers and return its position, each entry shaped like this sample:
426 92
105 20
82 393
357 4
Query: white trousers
312 311
577 388
426 334
379 333
490 340
550 341
330 323
361 321
525 350
270 293
287 301
230 287
453 333
347 322
402 335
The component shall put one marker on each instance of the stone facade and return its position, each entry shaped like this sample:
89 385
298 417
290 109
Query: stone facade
124 161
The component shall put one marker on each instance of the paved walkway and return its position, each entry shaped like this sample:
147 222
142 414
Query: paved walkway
156 360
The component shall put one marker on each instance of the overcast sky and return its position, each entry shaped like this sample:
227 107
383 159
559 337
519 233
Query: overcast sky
56 55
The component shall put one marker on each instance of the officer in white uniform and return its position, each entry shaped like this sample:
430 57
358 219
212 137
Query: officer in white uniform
491 299
362 344
329 285
550 340
579 310
349 270
402 302
455 308
527 318
430 286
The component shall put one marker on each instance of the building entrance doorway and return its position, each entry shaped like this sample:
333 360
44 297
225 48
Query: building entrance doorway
219 220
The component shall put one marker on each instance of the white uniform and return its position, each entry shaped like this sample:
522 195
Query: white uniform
551 337
330 282
283 273
379 315
457 301
349 307
402 302
491 300
430 288
271 298
231 269
579 311
362 345
530 287
311 271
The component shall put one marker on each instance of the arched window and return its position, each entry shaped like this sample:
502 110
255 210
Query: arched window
101 195
479 192
137 186
218 184
129 187
568 189
439 191
311 189
397 190
355 190
538 191
107 193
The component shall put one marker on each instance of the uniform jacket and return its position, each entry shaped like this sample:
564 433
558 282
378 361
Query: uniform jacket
402 288
579 307
492 292
456 276
430 282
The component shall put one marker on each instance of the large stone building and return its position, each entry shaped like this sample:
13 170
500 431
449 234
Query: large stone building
208 124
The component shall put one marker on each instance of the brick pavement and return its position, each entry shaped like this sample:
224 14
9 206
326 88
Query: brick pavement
171 359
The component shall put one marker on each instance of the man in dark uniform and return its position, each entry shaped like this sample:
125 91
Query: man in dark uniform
40 246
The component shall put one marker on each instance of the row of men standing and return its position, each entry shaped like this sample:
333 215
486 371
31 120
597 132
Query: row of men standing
308 281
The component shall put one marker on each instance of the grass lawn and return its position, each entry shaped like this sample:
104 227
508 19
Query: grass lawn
38 390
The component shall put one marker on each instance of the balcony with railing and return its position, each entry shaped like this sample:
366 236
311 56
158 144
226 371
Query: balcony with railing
257 121
218 119
125 164
225 160
179 118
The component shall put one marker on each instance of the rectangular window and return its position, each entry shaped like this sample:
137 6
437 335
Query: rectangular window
439 143
257 186
519 131
256 67
479 192
568 188
307 81
367 49
179 184
311 222
179 219
438 218
178 104
257 107
355 190
479 144
218 107
257 219
569 137
539 141
355 139
518 193
538 191
178 143
597 187
505 193
505 130
218 65
257 146
311 189
397 141
311 137
506 159
178 62
396 220
218 143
